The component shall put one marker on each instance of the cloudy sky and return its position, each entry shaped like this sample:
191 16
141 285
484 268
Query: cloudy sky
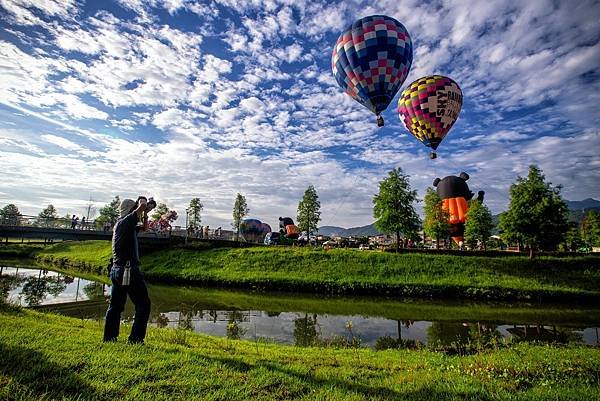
184 98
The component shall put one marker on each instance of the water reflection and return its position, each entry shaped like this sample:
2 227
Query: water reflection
307 320
29 287
234 330
306 332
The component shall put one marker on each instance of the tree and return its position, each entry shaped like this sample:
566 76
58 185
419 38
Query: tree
536 215
10 215
309 213
240 210
194 210
394 211
109 213
573 240
590 228
478 224
48 217
161 209
436 224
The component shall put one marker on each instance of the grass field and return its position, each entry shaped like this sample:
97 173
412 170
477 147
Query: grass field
357 272
45 356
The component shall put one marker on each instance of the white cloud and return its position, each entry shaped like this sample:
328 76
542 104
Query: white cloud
22 11
135 64
60 141
212 68
291 53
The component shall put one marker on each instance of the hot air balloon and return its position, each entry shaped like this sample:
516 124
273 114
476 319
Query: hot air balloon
254 229
429 107
371 60
455 194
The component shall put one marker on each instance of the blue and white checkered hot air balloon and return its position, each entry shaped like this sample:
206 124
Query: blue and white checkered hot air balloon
371 59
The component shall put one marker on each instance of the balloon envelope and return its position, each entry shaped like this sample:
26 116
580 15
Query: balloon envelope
265 228
371 60
455 194
254 226
429 107
250 226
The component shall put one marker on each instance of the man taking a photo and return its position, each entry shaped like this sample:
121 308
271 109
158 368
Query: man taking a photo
125 273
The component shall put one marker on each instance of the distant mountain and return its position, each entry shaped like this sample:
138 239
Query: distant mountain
588 203
331 230
583 208
363 231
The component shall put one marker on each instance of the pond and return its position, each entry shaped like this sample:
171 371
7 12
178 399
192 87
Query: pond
308 319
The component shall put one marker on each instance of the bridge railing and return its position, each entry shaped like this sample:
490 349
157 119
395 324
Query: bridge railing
26 221
50 222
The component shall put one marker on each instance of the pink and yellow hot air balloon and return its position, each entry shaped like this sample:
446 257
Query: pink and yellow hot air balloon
429 107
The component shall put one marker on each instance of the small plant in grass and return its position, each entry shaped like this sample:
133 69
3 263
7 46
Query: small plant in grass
179 336
235 331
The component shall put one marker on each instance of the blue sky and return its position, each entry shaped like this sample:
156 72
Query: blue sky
181 99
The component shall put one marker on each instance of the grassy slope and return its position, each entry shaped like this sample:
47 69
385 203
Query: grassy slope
88 256
352 271
50 357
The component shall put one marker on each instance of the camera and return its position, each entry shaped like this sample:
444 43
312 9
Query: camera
151 204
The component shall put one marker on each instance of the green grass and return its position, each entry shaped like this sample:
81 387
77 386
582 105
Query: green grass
12 250
47 357
356 272
86 256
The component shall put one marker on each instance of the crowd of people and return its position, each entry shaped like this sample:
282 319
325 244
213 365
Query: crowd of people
204 232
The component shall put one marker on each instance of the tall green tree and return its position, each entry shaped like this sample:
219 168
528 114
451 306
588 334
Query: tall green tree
590 228
536 215
240 210
109 213
160 209
10 215
436 224
478 225
48 217
195 213
393 206
573 240
309 211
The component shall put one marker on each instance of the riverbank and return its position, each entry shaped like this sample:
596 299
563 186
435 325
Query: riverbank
180 365
355 272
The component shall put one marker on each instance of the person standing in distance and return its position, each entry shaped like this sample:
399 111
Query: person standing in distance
125 274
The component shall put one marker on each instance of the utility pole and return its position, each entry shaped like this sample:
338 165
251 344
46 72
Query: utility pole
89 208
187 229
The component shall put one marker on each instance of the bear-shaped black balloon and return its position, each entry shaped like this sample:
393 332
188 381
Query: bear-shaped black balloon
456 195
456 187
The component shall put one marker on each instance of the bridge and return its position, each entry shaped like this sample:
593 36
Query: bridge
51 234
50 230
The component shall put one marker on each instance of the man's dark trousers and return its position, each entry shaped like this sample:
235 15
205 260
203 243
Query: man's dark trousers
138 292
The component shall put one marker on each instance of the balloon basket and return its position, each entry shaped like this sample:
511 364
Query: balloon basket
380 122
433 155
